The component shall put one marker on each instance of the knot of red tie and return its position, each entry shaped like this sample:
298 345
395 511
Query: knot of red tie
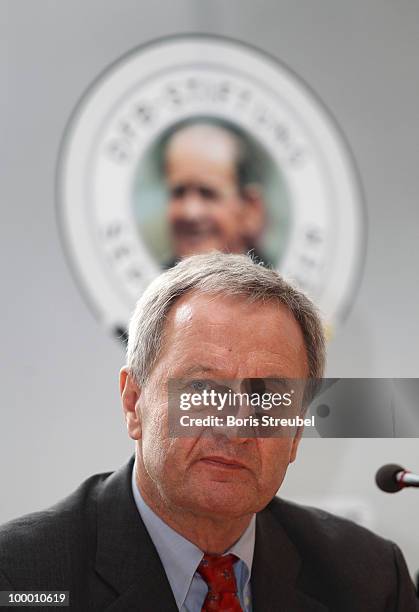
218 573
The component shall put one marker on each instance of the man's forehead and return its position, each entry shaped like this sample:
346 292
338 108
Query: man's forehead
183 313
218 307
219 144
218 330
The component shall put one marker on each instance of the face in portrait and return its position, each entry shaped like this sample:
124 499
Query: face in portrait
206 184
218 477
213 205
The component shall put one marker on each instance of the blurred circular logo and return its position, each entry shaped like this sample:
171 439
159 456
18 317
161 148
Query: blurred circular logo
198 142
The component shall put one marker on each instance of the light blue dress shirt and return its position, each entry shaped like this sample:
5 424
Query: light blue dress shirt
180 559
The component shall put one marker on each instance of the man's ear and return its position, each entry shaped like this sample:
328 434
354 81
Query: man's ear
295 443
130 394
254 220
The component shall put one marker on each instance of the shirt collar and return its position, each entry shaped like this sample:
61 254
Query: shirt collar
179 556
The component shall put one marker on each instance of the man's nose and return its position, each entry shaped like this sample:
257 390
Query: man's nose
192 206
234 434
242 429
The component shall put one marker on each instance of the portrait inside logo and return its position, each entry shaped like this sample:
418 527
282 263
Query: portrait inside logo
168 156
207 183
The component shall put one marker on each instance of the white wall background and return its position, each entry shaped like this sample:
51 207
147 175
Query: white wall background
60 418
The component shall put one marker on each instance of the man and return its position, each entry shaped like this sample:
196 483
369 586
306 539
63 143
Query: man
193 524
215 193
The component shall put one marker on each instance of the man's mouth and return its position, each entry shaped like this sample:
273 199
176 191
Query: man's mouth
194 233
222 463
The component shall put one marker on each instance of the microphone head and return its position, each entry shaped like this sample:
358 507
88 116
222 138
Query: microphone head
386 480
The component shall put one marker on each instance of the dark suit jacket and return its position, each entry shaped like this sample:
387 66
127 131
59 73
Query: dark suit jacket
95 545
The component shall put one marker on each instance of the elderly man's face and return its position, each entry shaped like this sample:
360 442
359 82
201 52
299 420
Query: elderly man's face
206 211
224 338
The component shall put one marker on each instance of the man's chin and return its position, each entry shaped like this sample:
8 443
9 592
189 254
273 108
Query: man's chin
223 500
197 245
225 507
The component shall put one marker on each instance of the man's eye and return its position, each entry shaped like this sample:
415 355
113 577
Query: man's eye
257 385
178 192
201 385
207 193
198 385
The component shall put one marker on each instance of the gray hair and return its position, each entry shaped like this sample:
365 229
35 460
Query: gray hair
216 273
248 160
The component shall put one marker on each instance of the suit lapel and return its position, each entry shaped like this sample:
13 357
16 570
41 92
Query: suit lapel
275 571
126 558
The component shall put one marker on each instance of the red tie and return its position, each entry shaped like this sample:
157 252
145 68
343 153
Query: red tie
218 573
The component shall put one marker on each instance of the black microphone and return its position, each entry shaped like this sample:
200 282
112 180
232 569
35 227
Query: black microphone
392 478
